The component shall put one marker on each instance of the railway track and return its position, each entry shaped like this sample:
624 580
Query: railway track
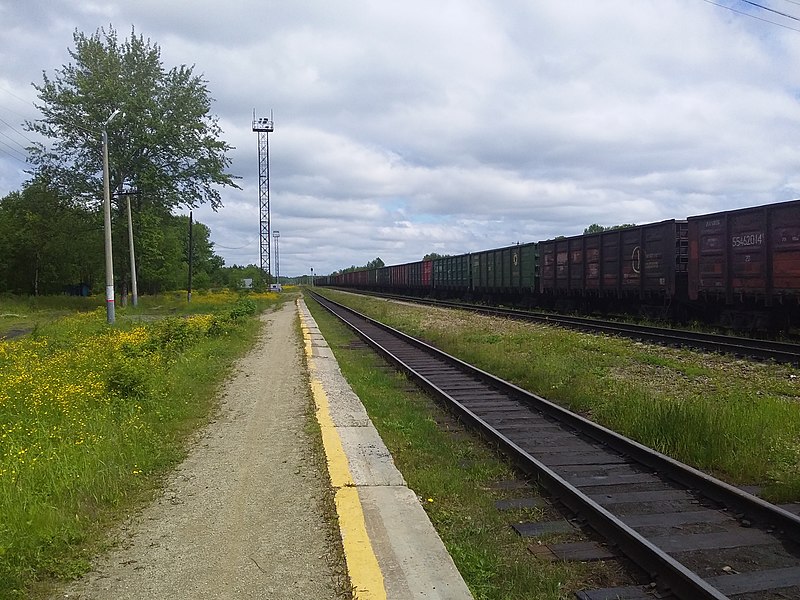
694 536
783 352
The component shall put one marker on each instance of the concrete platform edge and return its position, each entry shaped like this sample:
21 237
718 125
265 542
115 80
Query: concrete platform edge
391 548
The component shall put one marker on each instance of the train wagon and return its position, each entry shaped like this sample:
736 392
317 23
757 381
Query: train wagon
745 259
529 268
359 279
491 272
398 277
505 272
384 278
420 276
372 278
452 274
645 264
416 277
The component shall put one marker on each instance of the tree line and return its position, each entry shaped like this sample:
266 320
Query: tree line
165 153
52 244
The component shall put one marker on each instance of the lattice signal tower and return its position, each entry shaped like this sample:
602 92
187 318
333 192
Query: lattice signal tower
263 127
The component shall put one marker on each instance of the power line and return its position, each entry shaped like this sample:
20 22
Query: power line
10 93
772 10
10 126
740 12
7 145
229 248
16 112
24 162
5 135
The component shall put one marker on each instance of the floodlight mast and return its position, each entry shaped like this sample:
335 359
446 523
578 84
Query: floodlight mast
263 127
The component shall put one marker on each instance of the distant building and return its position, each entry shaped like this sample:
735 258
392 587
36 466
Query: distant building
246 284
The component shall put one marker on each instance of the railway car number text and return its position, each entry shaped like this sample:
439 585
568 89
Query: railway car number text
750 239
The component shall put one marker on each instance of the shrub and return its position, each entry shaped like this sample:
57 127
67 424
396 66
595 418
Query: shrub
244 307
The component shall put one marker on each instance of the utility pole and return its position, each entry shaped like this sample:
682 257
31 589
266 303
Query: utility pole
277 235
110 313
134 289
191 254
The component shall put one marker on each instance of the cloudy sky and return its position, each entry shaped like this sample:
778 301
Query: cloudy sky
403 128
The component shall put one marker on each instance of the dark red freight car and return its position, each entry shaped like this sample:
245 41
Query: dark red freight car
399 277
643 262
747 257
419 275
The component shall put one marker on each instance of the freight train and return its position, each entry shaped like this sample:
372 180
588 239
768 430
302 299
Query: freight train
739 269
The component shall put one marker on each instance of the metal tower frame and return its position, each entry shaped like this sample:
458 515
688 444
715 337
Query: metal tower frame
264 126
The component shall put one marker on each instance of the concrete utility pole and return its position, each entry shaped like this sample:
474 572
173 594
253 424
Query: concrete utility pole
133 258
110 314
191 254
277 236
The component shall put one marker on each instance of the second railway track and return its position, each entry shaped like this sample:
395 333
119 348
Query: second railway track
696 537
761 349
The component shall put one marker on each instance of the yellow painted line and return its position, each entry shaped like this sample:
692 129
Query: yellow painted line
365 573
362 564
338 467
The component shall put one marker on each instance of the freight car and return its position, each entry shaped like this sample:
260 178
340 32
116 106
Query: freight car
744 266
739 268
639 269
506 274
410 278
452 276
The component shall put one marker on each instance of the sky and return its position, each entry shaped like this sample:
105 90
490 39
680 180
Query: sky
450 126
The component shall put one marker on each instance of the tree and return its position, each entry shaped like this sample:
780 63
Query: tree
434 256
595 228
47 242
234 275
205 264
376 263
165 143
163 253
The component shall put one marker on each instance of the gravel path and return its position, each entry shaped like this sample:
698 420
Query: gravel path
242 516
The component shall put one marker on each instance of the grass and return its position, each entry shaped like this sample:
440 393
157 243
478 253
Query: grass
24 314
92 416
737 419
20 315
455 476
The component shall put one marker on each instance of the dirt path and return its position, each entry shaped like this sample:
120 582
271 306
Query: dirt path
241 517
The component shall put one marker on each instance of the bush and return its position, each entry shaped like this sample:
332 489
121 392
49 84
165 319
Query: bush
130 378
244 307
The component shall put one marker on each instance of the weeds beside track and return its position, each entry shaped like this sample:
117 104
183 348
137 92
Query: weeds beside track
92 415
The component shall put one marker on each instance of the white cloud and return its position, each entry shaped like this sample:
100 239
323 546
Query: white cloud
406 128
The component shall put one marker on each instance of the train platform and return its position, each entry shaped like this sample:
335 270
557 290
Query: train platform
391 548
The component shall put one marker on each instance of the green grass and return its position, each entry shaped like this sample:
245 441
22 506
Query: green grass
24 314
92 416
737 419
20 315
455 475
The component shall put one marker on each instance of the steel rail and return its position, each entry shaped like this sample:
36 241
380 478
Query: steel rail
670 573
783 352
